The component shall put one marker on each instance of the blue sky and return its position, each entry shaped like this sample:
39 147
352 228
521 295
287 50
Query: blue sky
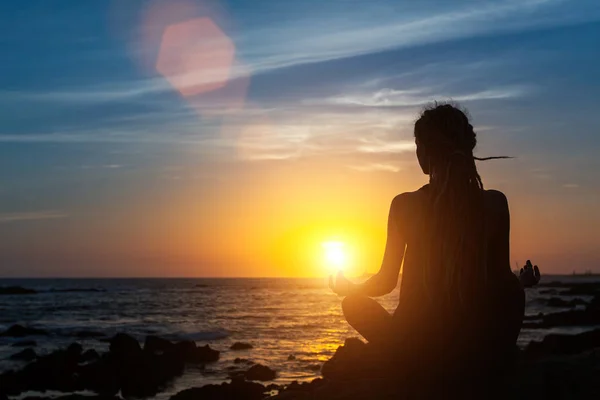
91 131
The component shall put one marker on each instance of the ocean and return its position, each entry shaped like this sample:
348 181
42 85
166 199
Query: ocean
279 317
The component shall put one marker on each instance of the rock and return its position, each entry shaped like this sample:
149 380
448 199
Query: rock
242 360
586 317
78 290
260 372
21 331
100 376
24 343
241 346
14 290
24 355
201 355
89 355
558 302
346 361
74 350
314 367
124 346
155 344
291 357
553 344
74 397
89 334
236 390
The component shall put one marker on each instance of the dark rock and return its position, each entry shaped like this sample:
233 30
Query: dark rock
21 331
554 344
260 372
346 361
89 355
73 397
558 302
314 367
74 350
100 376
89 334
24 355
236 390
272 387
155 344
24 343
291 357
586 317
201 355
11 290
241 346
124 346
78 290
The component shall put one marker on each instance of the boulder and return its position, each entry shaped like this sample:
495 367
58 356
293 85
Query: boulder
24 355
124 346
586 317
202 355
347 360
24 343
554 344
259 372
14 290
558 302
241 346
21 331
89 355
236 390
155 344
291 357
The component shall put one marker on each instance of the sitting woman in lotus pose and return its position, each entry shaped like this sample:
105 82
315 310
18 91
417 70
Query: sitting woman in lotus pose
459 299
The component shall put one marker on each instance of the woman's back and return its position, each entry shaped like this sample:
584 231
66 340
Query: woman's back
472 312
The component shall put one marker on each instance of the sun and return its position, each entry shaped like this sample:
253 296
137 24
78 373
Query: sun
335 256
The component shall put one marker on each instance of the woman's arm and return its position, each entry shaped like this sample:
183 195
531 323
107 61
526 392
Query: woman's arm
387 278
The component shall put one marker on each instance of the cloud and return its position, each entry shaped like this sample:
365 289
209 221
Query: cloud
388 97
312 38
375 167
31 216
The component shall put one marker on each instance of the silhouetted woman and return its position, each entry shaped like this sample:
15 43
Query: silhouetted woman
459 300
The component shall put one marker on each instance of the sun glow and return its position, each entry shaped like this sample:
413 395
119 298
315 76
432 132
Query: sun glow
335 256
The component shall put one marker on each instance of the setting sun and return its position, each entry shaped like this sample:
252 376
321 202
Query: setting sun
335 255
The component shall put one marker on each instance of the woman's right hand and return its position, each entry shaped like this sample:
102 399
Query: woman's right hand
342 286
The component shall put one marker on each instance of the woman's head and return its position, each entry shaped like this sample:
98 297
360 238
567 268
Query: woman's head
443 132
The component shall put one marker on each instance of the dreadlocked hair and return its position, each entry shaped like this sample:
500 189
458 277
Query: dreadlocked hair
456 247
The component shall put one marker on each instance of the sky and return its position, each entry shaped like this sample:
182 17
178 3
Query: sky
234 138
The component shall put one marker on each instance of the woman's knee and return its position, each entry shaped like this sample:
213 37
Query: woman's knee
353 304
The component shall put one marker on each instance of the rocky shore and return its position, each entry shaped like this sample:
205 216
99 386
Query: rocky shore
560 366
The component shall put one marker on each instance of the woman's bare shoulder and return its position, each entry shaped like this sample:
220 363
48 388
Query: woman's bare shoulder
407 199
496 197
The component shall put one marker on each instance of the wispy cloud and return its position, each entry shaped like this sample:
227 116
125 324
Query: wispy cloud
415 97
31 216
375 167
292 43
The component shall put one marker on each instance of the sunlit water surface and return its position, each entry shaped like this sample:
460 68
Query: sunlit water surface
279 317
